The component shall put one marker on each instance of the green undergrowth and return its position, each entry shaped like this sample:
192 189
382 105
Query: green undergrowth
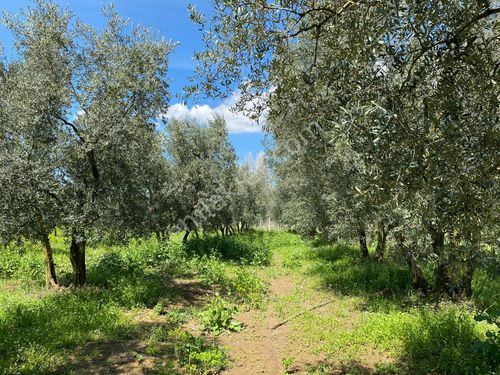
38 333
367 307
219 316
250 249
39 329
370 307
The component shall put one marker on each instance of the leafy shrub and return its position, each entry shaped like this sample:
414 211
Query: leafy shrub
240 249
218 317
440 341
487 351
196 354
248 287
211 269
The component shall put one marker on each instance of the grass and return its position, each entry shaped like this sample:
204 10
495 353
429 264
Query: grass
40 330
372 316
368 320
38 334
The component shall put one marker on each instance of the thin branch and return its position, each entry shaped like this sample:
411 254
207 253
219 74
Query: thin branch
72 126
342 9
302 313
457 32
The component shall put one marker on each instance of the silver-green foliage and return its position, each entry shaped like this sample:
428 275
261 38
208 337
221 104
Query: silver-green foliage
79 108
405 97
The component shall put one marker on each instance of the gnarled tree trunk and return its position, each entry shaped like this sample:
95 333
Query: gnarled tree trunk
467 279
77 257
363 248
50 269
381 241
442 280
419 282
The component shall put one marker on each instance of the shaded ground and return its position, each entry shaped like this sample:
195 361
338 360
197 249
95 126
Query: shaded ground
132 355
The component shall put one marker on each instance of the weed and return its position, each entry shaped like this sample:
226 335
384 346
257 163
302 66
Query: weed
158 308
137 356
218 317
196 354
248 288
287 363
176 317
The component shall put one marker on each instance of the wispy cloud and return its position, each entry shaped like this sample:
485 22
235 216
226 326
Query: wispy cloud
236 122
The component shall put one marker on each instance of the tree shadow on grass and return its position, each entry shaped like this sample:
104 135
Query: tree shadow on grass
432 338
38 336
248 249
351 368
340 268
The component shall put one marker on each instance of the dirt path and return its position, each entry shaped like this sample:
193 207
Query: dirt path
261 348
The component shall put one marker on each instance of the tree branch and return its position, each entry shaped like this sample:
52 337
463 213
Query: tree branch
72 126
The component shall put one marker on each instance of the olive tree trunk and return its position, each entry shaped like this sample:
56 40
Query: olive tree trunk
186 235
381 241
77 257
441 272
50 269
363 248
419 282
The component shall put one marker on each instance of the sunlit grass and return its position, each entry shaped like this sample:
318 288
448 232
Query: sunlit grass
337 305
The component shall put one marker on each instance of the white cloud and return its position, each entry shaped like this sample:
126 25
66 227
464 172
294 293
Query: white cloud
236 122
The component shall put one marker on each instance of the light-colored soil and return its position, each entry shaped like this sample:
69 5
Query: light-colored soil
262 347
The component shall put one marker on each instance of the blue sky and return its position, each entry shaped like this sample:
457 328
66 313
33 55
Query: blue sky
170 18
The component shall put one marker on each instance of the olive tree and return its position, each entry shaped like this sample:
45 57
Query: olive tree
412 86
253 194
33 93
203 167
85 103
